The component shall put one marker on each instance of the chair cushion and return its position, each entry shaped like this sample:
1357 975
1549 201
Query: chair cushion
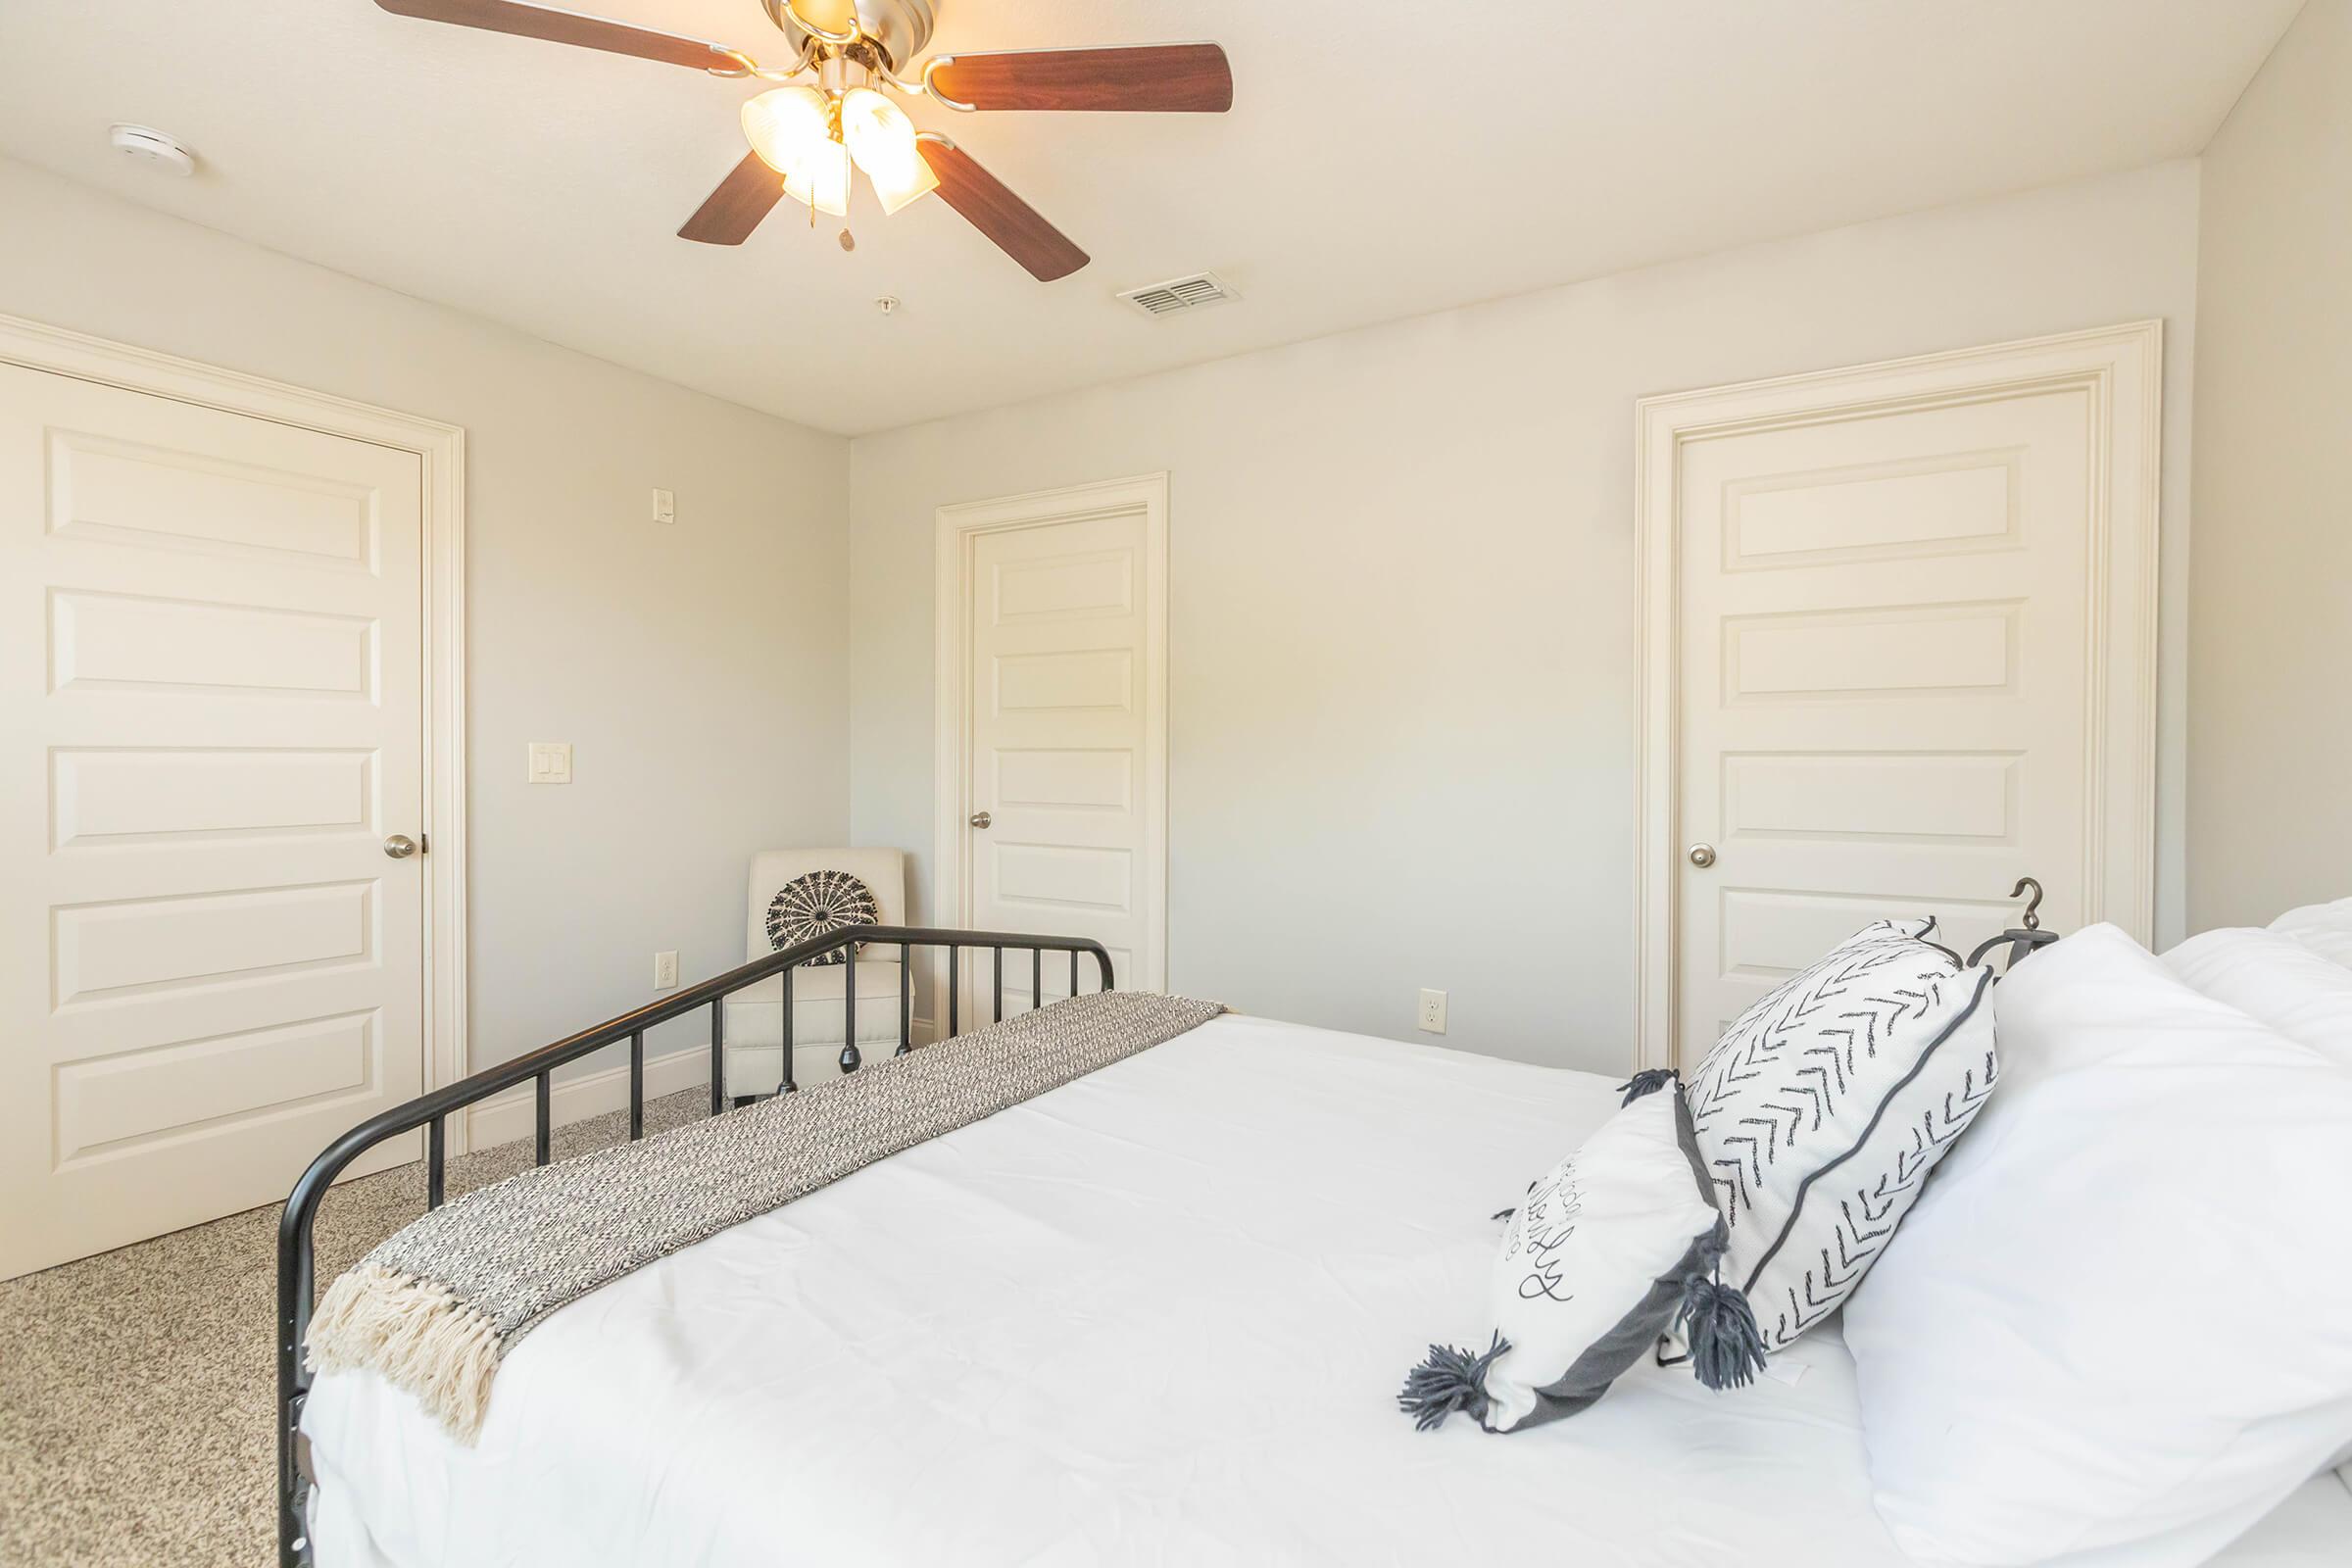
755 1014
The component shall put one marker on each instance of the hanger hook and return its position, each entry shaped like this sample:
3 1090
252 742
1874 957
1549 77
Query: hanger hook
2031 921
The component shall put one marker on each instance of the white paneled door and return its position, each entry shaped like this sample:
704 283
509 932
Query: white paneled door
210 723
1059 749
1910 660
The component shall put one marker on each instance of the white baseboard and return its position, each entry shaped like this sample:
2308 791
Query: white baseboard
512 1115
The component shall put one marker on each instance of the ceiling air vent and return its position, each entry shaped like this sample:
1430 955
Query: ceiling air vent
1180 294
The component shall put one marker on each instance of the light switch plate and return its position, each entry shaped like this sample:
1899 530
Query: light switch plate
666 506
1433 1013
550 762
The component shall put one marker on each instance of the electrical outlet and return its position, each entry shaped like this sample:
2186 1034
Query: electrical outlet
1433 1013
666 506
665 971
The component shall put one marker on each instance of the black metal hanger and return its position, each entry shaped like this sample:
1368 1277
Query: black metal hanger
2025 936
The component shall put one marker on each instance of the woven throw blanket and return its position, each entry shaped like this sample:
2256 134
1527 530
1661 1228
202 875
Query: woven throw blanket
436 1308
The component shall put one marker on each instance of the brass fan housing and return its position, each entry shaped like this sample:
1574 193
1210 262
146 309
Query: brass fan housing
899 29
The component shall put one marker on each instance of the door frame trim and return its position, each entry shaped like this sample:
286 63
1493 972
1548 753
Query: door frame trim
440 449
2120 367
957 528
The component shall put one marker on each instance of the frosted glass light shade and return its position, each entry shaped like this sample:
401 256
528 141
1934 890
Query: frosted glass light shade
787 126
821 179
881 138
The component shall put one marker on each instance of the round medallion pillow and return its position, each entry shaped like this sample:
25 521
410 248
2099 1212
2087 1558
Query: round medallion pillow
818 902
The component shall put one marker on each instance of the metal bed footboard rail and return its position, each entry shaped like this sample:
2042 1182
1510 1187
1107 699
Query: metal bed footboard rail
296 1266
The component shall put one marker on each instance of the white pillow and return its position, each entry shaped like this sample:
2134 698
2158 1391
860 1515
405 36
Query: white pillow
2325 928
1605 1249
2117 1322
2274 979
1822 1111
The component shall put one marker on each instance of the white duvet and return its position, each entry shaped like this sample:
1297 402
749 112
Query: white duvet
1158 1316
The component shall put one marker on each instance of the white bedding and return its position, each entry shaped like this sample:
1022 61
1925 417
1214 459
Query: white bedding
1158 1316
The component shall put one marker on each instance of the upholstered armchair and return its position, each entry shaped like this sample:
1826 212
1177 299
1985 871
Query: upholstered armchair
756 1016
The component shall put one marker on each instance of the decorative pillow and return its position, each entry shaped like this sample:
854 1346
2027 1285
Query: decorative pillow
815 903
1608 1248
1820 1112
2115 1328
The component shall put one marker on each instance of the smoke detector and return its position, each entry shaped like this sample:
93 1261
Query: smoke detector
148 145
1195 292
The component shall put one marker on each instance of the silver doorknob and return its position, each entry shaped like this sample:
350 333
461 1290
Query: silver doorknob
400 846
981 820
1703 856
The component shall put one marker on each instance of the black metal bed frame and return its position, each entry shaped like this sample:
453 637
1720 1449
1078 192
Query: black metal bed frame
296 1283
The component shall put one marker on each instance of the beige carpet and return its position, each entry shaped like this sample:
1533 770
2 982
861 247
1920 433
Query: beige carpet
137 1388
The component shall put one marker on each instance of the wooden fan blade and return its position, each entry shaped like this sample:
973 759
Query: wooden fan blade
1011 222
747 194
1166 77
570 27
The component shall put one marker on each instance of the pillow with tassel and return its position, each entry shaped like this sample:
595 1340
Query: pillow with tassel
1822 1110
1613 1246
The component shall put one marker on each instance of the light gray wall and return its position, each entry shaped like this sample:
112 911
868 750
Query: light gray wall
2271 589
1402 683
699 672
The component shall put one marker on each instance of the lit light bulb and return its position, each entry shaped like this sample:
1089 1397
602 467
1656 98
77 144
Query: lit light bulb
821 179
787 125
881 138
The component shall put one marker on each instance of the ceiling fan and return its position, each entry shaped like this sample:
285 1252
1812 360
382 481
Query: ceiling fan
827 112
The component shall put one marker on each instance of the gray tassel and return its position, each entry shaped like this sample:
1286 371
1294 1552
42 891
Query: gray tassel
1449 1380
1726 1348
1646 1081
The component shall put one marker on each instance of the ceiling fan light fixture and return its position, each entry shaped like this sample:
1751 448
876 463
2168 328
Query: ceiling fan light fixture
787 126
800 145
821 179
881 138
919 182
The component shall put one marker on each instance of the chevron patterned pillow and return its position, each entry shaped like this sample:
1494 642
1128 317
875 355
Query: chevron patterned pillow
1823 1109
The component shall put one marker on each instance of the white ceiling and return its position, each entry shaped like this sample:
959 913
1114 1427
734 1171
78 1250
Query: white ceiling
1381 160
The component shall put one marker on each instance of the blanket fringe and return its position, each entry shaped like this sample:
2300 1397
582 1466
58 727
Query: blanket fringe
415 1333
